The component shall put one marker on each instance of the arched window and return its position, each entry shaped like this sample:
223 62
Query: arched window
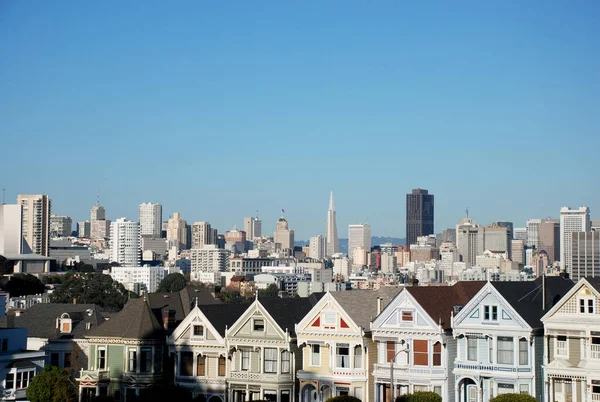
437 354
201 365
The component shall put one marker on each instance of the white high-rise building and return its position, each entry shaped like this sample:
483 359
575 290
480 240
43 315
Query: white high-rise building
533 233
150 218
317 246
359 236
571 220
125 245
208 258
252 227
341 267
333 244
36 221
60 226
202 234
97 213
11 230
146 279
448 256
470 240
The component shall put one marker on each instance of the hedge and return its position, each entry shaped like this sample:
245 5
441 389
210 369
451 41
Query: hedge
343 398
420 396
513 398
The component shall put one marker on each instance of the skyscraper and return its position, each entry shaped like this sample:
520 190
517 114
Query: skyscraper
252 227
150 217
533 233
333 244
419 215
283 234
125 245
202 234
99 226
11 229
585 255
60 226
571 220
549 239
317 247
36 221
176 231
359 236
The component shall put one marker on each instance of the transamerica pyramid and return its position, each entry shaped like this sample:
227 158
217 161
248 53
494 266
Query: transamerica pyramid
333 244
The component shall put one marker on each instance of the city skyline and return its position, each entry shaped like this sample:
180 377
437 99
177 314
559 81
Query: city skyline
387 87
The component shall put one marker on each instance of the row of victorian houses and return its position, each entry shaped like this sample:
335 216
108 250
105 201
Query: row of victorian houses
468 342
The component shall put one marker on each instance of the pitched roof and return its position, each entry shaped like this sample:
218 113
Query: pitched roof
40 320
526 297
439 301
289 311
223 316
135 321
361 305
594 281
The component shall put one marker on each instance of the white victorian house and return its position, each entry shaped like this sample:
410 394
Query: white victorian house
500 338
572 358
416 349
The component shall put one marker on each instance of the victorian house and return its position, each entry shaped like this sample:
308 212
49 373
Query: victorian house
500 338
263 352
200 352
572 358
337 349
416 349
126 354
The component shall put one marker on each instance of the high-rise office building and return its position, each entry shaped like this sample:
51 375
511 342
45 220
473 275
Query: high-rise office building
518 251
585 255
36 210
283 234
317 246
520 234
571 220
97 213
84 229
549 239
99 225
125 242
252 227
202 234
150 218
237 239
333 244
470 240
60 226
419 215
208 258
498 239
359 236
177 231
533 230
11 229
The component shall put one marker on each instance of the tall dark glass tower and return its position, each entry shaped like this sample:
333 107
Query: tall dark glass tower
419 215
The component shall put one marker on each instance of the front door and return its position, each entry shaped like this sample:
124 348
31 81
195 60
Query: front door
471 393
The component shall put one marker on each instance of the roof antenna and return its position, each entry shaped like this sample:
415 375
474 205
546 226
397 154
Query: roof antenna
467 212
98 200
257 294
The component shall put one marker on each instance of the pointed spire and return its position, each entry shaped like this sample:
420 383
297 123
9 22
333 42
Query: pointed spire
331 201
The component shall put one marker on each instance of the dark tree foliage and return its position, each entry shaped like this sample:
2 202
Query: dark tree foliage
91 288
230 295
420 396
513 398
24 284
343 398
6 266
52 384
172 283
271 290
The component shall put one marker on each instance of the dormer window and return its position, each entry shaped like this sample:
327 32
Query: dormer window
490 313
407 316
259 325
586 302
329 319
65 324
198 331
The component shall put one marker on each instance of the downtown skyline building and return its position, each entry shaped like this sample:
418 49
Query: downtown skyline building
150 219
35 212
252 227
419 215
331 236
99 225
359 236
283 235
571 220
125 242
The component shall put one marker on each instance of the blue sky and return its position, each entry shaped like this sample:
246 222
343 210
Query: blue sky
219 109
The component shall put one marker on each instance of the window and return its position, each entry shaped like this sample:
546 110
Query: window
10 381
505 350
146 360
315 355
490 313
390 351
270 360
270 395
342 391
68 362
222 366
591 306
187 364
329 319
358 357
259 325
201 365
101 358
285 396
524 388
285 362
132 360
506 388
491 349
198 330
358 393
66 327
438 390
54 359
437 354
158 359
23 379
342 355
523 352
561 346
245 359
407 316
495 313
486 312
421 352
471 348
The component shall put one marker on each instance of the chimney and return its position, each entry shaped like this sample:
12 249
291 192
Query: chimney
379 300
74 301
165 317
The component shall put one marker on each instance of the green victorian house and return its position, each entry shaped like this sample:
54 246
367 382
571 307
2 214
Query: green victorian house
126 354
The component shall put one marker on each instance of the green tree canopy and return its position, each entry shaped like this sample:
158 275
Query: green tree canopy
271 290
513 398
92 288
343 398
420 396
24 284
52 384
172 283
230 295
6 266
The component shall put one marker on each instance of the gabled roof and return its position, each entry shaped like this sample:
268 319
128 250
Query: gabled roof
526 297
439 301
288 311
40 320
135 321
223 316
361 305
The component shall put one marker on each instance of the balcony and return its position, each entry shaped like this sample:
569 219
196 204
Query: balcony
259 377
186 380
382 370
595 397
94 375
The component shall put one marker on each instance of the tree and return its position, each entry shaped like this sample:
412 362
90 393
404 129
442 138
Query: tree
24 284
343 398
230 295
172 283
52 384
91 288
6 266
271 290
513 398
420 396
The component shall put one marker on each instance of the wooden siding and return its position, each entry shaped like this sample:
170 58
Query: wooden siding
574 345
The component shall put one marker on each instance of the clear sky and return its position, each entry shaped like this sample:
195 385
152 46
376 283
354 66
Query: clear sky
220 109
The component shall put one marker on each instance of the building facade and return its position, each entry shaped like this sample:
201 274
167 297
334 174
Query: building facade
252 227
333 244
571 220
139 280
419 215
549 239
317 247
359 235
176 231
125 243
202 234
150 218
585 255
36 209
60 226
208 259
11 229
284 236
